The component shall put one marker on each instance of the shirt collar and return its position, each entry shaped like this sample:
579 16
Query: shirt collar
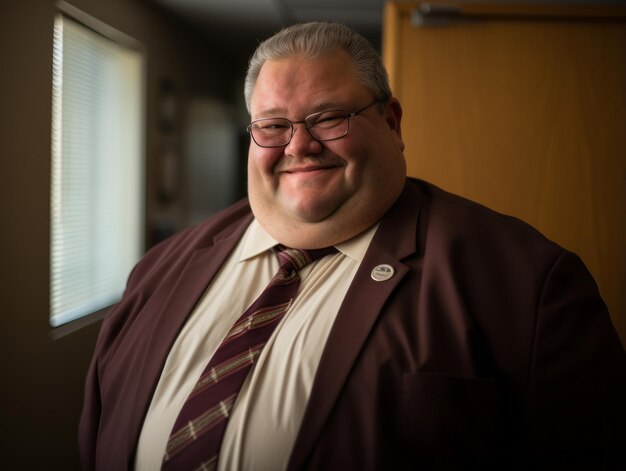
356 247
257 240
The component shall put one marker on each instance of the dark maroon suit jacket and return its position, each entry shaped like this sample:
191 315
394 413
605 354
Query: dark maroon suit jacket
490 347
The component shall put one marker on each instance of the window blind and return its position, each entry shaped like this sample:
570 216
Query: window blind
96 182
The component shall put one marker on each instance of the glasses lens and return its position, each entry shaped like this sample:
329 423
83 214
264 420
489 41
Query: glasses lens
271 132
328 125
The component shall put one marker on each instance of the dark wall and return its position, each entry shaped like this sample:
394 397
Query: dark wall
43 369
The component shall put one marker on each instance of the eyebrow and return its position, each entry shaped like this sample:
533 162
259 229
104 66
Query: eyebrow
281 112
271 112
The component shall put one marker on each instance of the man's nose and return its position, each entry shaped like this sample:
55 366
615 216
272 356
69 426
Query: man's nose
302 143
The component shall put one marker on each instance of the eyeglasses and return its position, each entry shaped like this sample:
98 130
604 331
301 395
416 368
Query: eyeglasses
322 126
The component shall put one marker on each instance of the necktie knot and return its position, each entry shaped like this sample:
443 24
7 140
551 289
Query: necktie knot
295 259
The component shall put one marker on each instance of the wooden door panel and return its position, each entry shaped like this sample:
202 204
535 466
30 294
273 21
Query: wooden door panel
527 116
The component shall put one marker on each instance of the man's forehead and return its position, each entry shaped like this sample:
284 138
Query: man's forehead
313 83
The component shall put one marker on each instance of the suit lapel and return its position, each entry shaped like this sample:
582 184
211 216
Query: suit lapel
394 240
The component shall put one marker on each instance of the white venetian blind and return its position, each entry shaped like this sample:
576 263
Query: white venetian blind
96 192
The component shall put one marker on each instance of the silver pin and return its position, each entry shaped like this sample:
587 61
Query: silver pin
382 272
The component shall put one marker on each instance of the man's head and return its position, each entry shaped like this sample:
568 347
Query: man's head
308 191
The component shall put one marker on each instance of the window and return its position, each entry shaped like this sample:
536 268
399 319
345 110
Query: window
96 183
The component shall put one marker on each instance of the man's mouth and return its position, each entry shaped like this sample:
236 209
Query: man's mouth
308 168
294 166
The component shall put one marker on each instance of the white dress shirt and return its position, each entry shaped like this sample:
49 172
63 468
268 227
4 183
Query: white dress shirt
266 416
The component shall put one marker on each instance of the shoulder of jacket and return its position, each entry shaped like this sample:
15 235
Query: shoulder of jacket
204 234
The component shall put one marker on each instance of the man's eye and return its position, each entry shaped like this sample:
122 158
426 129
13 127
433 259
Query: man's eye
271 126
330 120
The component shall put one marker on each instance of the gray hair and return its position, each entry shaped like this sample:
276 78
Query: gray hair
314 40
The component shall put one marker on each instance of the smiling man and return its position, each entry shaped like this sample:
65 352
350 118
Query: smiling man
347 317
309 192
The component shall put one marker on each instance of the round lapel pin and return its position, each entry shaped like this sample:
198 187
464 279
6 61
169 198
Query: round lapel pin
382 272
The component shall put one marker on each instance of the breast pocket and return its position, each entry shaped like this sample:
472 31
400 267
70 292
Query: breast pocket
452 422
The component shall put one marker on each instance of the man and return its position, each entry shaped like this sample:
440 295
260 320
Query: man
438 335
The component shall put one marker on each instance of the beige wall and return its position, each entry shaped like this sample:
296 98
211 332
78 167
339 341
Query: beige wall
42 370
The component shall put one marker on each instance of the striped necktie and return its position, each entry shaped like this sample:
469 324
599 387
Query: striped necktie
196 437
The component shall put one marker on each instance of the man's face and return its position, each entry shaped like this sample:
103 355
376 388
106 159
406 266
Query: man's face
310 191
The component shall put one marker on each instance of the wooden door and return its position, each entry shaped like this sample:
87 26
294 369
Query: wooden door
525 112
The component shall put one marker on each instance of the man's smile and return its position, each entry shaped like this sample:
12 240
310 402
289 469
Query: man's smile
308 168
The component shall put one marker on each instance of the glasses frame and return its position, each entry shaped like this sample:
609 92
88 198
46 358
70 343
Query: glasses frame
304 121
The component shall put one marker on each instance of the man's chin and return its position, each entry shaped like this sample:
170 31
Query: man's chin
312 213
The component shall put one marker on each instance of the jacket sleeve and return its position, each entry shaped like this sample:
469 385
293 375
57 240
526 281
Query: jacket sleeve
90 416
577 378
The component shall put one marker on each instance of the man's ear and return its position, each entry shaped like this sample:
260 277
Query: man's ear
393 117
